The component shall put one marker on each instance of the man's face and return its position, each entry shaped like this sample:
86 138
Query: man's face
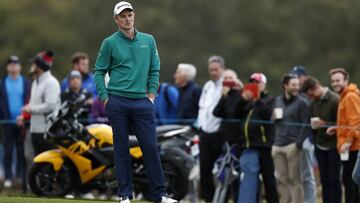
315 93
82 66
180 78
13 68
34 70
338 82
125 20
293 87
215 71
75 84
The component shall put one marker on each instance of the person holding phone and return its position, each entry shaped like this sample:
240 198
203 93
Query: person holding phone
225 109
256 139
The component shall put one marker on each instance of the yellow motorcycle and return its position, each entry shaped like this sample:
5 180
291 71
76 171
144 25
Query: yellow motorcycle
83 159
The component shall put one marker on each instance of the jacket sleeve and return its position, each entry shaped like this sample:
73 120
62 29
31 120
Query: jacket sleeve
352 112
102 66
154 70
51 99
220 108
305 130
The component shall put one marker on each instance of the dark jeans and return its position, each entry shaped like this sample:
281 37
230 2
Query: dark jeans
40 144
14 137
210 149
140 113
351 189
267 171
330 166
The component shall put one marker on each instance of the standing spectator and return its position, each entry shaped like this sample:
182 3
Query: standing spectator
166 104
80 62
74 91
210 137
14 93
290 108
347 122
44 99
256 140
307 155
225 109
189 93
323 108
133 63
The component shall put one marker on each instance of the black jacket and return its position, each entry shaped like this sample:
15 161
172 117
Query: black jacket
256 129
230 126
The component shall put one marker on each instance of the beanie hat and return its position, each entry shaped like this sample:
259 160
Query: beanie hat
44 60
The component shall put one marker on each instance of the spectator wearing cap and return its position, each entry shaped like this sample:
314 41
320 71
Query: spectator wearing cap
74 91
189 93
308 154
14 93
290 108
257 137
80 62
133 63
44 99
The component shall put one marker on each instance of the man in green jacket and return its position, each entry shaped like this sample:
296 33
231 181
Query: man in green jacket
132 61
323 108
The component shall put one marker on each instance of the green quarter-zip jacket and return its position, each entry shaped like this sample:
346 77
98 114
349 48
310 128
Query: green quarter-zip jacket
133 66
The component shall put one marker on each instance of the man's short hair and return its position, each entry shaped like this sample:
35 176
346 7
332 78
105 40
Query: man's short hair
309 84
188 69
287 77
77 56
340 70
217 59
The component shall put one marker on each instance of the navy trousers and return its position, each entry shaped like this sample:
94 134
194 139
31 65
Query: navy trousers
140 113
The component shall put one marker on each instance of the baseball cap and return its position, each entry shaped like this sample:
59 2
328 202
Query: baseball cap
259 77
13 59
122 5
299 70
74 74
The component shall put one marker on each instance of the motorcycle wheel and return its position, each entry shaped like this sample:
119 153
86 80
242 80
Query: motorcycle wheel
176 178
45 181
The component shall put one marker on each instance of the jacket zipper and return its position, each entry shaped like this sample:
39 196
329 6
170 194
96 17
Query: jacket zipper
246 128
262 129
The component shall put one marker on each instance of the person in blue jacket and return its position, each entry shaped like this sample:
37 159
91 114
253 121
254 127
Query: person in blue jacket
14 93
166 104
80 62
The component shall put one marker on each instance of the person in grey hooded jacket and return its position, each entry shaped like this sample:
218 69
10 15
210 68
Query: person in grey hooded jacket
44 99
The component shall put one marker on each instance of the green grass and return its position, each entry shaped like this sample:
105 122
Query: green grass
5 199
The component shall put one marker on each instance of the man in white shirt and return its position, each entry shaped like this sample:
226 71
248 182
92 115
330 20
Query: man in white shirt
210 139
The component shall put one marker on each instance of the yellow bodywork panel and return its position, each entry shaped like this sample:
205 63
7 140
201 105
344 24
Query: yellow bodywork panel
136 152
83 165
53 157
